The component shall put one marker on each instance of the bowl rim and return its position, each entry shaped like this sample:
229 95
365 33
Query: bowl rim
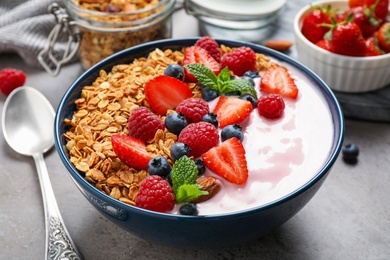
298 33
334 107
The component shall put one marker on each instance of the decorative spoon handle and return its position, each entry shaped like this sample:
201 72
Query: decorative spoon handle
59 244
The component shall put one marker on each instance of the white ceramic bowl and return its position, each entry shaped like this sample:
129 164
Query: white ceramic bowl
341 73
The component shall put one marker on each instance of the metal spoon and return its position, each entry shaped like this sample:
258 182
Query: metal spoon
27 122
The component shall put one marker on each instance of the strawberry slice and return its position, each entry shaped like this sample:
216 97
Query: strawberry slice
164 92
131 151
277 80
232 110
228 160
196 54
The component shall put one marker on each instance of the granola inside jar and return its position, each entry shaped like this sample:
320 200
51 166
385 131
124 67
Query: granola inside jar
108 26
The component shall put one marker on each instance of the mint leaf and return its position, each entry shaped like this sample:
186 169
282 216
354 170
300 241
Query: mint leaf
189 192
204 75
224 76
184 171
242 85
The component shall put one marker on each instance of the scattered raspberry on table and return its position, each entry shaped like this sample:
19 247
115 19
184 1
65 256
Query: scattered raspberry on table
10 79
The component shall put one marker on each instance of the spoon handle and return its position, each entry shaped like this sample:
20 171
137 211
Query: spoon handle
59 244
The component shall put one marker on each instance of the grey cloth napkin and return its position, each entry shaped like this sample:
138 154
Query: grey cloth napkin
24 28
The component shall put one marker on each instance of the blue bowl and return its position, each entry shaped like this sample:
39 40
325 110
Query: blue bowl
196 231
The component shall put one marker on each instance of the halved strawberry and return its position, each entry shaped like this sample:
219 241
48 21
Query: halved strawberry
277 80
232 110
196 54
131 151
228 160
164 92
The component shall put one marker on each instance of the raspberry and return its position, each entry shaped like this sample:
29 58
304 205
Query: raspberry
10 79
143 124
200 137
239 60
211 46
155 194
271 106
193 109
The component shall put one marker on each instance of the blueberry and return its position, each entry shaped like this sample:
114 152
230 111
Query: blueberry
175 122
208 94
178 150
350 153
250 98
210 118
175 71
201 166
159 166
188 209
232 131
251 74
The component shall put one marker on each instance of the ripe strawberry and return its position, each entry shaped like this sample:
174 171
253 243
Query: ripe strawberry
372 48
196 54
164 92
346 39
384 37
200 137
193 108
365 18
228 160
271 106
232 110
11 79
131 151
277 80
380 7
239 60
155 194
143 124
324 44
211 46
312 27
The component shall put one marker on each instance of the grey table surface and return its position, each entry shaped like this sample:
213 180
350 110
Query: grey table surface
347 219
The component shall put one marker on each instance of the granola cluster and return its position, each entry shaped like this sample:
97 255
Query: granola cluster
103 109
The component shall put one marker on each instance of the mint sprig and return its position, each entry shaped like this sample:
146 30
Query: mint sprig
222 83
184 175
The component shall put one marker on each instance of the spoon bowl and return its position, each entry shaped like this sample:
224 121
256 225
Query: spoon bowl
27 123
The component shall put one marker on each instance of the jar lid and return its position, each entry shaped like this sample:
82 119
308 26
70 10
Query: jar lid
242 7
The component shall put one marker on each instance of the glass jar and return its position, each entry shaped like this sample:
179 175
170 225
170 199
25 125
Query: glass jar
105 27
244 20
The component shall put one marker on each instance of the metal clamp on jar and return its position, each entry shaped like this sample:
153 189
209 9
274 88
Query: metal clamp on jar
244 20
98 29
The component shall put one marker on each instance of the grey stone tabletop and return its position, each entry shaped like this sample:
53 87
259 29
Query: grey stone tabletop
347 219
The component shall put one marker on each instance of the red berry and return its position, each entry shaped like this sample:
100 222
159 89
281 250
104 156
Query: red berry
211 46
384 37
143 124
228 160
232 110
200 137
198 55
131 151
271 106
155 194
277 80
193 108
239 60
312 27
164 92
11 79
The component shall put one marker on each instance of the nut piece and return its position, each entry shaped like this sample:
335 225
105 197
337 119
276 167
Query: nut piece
279 45
209 184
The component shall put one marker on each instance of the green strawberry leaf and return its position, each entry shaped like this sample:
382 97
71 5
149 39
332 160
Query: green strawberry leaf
189 192
184 171
222 83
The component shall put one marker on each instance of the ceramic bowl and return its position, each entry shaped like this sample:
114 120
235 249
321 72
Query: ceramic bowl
341 73
208 230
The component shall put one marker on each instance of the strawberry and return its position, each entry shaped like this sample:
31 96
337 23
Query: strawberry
164 92
131 151
277 80
384 37
198 55
365 18
228 161
324 44
312 27
232 110
380 7
372 47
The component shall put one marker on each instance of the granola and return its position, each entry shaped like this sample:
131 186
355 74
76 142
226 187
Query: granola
103 110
